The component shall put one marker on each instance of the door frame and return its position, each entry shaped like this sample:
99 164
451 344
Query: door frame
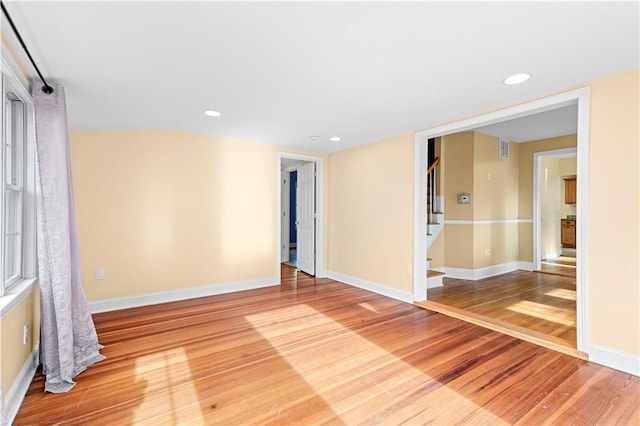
581 97
319 246
537 201
285 219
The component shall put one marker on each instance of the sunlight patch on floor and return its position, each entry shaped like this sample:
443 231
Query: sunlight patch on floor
342 360
539 310
166 387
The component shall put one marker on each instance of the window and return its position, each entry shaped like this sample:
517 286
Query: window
14 124
18 164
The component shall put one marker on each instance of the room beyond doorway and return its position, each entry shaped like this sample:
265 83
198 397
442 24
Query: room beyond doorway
579 97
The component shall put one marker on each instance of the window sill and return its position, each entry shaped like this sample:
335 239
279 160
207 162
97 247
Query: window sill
17 294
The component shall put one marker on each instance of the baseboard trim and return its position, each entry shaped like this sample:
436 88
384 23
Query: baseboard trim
525 266
480 273
551 254
18 389
115 304
612 358
404 296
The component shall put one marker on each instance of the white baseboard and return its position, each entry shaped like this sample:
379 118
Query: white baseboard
525 266
18 389
480 273
404 296
175 295
551 254
612 358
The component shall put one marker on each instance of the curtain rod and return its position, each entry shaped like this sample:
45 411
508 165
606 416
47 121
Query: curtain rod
46 88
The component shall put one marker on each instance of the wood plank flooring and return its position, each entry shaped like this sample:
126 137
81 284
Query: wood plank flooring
544 304
562 265
315 351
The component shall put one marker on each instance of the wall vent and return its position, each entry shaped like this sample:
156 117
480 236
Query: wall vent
504 149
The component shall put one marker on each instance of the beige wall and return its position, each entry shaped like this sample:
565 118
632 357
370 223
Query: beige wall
168 210
371 210
613 245
457 174
495 181
550 204
458 246
14 353
525 167
472 164
501 241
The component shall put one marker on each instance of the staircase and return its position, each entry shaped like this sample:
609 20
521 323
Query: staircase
435 220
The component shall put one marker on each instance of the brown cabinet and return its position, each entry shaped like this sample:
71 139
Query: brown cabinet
570 186
568 233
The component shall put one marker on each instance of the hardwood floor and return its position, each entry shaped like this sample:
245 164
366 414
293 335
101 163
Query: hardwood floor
541 305
562 265
317 351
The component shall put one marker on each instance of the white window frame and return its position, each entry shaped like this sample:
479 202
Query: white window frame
20 284
14 133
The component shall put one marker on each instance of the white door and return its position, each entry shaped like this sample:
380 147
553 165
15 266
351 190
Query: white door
284 215
305 218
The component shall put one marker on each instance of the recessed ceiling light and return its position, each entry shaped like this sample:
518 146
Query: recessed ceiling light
335 138
314 138
212 113
517 79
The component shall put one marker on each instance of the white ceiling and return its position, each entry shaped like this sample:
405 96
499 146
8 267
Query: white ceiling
557 122
282 72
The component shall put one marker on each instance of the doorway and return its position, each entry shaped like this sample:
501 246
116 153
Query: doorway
555 212
300 207
579 97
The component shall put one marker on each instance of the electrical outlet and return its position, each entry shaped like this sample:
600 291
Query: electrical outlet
25 334
487 252
100 274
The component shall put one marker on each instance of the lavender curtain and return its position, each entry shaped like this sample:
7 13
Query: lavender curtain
68 339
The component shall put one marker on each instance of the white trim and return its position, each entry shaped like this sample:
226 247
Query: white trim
612 358
16 295
582 211
18 389
420 148
582 96
11 69
486 222
118 303
403 296
551 254
480 273
320 266
525 266
285 212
